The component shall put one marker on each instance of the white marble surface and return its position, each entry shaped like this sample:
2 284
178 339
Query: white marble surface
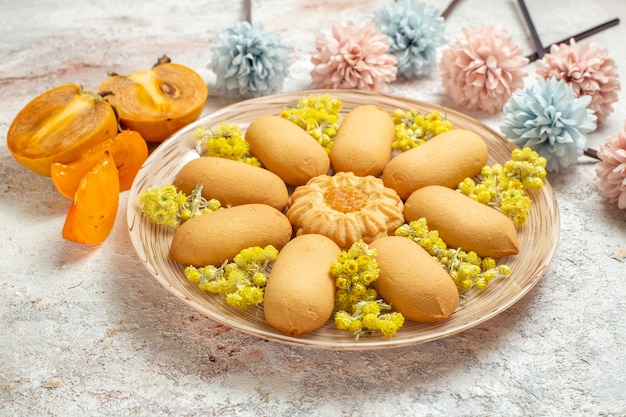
86 331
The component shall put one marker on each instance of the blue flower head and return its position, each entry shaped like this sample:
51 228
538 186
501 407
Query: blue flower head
250 62
548 118
415 31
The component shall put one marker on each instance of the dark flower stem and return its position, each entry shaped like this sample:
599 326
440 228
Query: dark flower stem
579 36
592 153
449 9
539 49
247 10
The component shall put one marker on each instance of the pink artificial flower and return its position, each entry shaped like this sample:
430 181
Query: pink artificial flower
353 57
481 68
589 70
611 169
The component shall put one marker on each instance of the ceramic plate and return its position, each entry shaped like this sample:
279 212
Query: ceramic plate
538 238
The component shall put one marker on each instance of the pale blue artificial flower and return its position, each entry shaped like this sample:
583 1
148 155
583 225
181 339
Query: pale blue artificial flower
415 30
250 62
548 118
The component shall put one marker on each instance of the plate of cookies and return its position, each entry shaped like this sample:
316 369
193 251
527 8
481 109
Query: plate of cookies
343 220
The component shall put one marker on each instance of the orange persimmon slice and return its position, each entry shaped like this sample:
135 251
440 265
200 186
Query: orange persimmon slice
128 149
92 214
58 126
156 102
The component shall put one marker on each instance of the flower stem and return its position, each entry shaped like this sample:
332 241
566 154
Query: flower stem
448 9
579 36
247 8
593 153
539 49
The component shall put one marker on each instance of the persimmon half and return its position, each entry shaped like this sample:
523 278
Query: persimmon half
156 102
128 149
91 215
58 126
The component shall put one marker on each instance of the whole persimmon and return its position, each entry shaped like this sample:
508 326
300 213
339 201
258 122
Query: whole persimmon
156 102
58 126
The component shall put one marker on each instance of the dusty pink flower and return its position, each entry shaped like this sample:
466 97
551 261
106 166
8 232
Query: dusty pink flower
611 169
481 68
353 57
588 69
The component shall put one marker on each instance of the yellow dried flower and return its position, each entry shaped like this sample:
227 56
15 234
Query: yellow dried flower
242 281
504 187
225 141
414 128
318 115
466 269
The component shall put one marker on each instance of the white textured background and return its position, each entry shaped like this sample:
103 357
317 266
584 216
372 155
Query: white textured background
85 331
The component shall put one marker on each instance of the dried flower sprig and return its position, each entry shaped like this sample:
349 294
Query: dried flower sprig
548 118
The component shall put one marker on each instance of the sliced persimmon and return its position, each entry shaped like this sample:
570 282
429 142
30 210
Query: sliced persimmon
128 149
156 102
58 126
92 214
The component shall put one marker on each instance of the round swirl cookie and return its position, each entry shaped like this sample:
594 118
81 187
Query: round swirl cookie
346 208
